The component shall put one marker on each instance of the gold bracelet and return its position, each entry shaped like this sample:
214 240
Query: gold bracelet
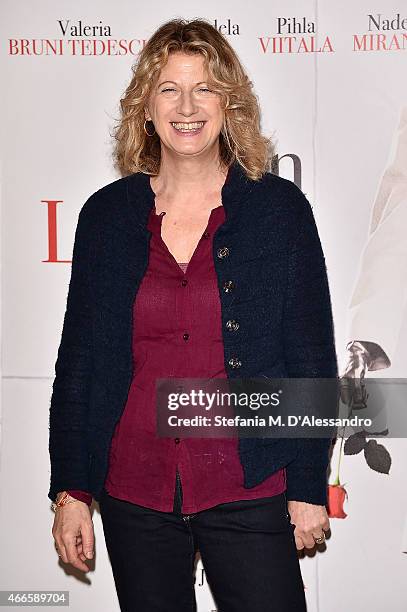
64 499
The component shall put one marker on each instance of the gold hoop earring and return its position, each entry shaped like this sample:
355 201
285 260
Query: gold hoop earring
145 127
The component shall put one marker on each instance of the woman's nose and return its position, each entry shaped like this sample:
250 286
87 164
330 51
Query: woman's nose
187 104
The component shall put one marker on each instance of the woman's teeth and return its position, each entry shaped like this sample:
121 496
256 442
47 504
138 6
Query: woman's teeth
188 127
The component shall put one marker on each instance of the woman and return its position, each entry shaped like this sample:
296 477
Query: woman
197 263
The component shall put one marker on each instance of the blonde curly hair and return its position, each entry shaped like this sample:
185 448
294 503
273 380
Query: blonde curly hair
240 138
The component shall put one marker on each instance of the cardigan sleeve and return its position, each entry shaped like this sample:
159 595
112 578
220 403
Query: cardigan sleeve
70 392
309 348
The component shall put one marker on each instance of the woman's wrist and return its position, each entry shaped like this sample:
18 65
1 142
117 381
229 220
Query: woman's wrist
70 496
80 495
62 499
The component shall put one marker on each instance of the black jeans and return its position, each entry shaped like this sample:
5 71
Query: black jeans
247 549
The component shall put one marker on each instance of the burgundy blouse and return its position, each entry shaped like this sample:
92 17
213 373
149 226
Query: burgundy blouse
177 333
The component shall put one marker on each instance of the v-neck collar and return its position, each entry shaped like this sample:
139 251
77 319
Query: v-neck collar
141 197
155 219
155 222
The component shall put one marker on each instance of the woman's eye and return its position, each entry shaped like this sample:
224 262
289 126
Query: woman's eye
200 89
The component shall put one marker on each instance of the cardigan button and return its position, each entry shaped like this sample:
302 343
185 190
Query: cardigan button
177 440
228 286
234 362
184 282
223 252
232 325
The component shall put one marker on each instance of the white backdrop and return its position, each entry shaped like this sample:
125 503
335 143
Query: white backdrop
334 97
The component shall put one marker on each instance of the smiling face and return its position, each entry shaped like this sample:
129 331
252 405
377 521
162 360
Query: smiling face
187 115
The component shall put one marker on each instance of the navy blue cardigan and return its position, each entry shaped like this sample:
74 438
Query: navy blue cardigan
272 279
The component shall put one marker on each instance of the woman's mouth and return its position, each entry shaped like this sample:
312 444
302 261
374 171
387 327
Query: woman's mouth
188 129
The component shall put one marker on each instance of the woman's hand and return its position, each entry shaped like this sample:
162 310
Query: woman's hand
309 520
73 534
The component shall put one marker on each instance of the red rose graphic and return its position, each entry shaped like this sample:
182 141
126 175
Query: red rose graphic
336 498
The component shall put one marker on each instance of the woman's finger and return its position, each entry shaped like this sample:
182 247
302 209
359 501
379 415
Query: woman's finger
326 526
61 550
299 541
88 539
79 548
72 554
308 540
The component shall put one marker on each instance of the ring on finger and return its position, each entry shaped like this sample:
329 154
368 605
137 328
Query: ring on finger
320 538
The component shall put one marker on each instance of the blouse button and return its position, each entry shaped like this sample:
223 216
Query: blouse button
184 282
177 440
186 336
